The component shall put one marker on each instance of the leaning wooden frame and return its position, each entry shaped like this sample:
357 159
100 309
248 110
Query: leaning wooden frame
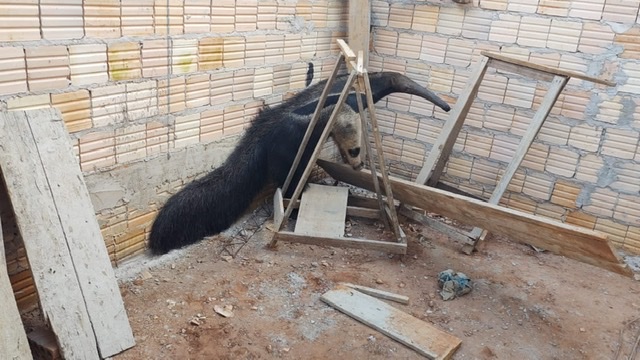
358 79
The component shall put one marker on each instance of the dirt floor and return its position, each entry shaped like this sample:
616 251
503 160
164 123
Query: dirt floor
524 304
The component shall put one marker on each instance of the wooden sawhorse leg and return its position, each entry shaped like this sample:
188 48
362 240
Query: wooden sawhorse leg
557 85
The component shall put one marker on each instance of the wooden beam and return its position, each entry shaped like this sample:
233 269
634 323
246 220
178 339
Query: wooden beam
436 225
574 242
385 246
434 163
410 331
547 69
360 27
13 338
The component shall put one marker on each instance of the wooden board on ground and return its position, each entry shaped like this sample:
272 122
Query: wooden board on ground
418 335
323 210
574 242
13 339
72 234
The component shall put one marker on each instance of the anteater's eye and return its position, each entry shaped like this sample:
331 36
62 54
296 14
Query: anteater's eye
354 152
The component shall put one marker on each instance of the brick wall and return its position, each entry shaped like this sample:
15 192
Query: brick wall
584 167
138 79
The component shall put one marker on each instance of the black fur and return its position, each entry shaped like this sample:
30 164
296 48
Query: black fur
264 154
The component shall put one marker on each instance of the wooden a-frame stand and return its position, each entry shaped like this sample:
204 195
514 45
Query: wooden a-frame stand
328 207
441 150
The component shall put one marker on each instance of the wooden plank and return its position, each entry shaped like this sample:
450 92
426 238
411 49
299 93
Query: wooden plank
13 338
520 70
88 251
323 210
574 242
548 69
278 208
436 225
386 246
557 85
363 212
412 332
380 294
61 298
439 154
360 27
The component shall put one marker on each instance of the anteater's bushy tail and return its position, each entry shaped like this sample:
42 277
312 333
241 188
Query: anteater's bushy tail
212 203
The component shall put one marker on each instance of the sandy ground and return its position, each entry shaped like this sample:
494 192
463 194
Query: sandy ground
524 304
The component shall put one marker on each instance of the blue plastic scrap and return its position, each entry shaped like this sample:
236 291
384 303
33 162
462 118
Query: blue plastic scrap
453 284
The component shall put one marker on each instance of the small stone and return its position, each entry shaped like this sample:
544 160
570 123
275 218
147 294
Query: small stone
227 258
402 285
314 264
138 282
432 303
505 327
583 329
195 322
286 349
379 281
173 266
254 308
224 310
324 263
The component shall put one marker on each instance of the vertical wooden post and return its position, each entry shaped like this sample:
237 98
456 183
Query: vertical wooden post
360 27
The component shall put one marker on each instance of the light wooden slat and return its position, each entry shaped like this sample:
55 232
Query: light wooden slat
386 246
377 138
574 242
323 210
88 251
520 70
13 339
547 69
278 208
439 154
557 85
412 332
61 298
360 27
368 153
380 294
